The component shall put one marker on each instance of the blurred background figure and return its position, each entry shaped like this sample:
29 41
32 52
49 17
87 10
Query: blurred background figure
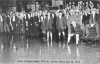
1 23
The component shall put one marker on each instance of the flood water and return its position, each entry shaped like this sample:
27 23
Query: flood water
17 49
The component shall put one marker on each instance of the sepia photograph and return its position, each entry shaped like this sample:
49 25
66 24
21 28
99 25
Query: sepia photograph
49 31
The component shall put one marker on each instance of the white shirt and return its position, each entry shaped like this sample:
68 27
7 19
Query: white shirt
13 18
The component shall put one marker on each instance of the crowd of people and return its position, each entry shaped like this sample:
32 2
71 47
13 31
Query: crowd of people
71 20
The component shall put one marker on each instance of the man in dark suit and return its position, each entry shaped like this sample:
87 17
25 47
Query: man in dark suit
61 24
97 20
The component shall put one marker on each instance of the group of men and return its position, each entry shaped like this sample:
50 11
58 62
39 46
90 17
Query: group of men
74 18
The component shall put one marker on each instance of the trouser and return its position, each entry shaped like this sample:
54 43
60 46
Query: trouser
49 38
23 29
49 35
62 32
20 28
86 30
6 27
1 27
98 29
70 35
69 28
13 27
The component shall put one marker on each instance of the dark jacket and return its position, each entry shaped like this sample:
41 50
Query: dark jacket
61 23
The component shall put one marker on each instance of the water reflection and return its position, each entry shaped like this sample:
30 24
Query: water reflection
69 50
18 47
77 52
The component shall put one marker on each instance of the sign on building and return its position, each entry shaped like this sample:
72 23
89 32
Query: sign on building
57 3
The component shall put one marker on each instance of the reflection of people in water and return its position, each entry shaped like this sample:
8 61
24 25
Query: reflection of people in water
5 42
27 44
7 55
69 50
77 52
11 41
1 45
12 44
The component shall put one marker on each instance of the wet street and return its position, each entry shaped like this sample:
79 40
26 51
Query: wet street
17 49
